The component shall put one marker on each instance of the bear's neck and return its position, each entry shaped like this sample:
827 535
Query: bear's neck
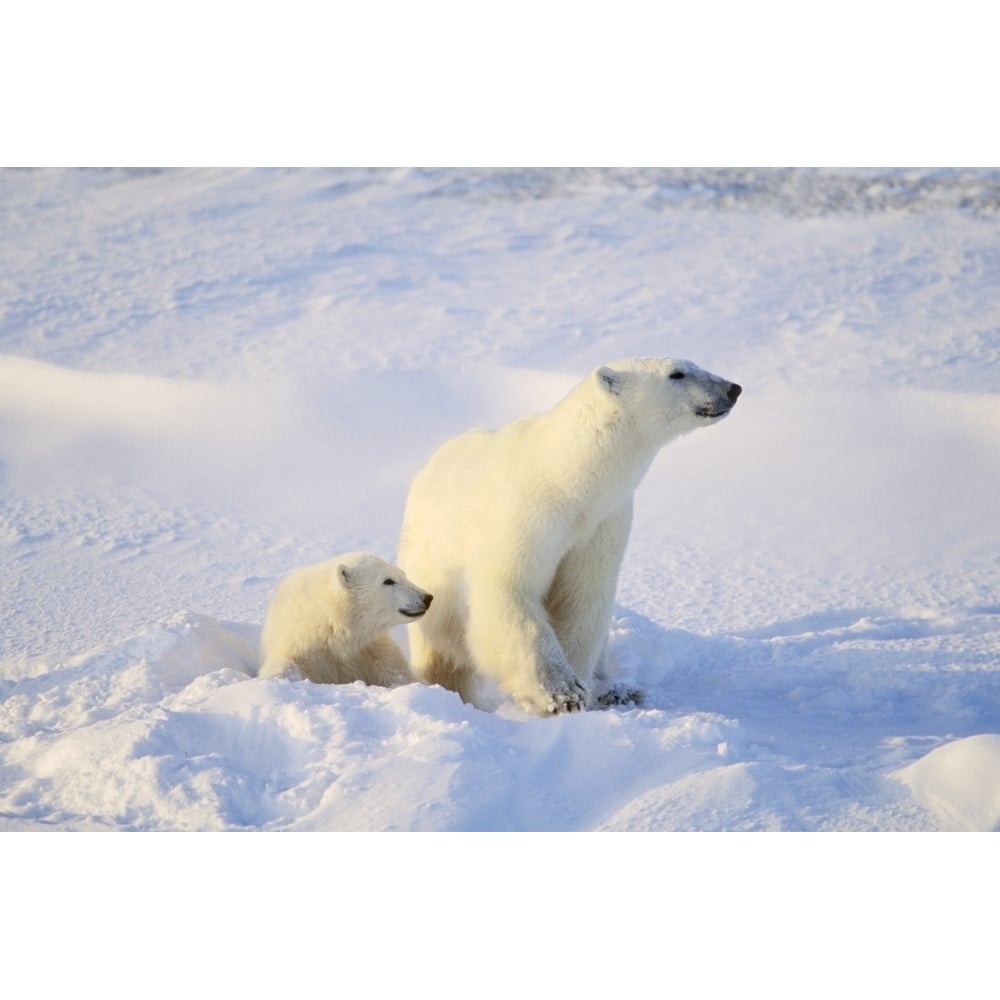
595 450
342 625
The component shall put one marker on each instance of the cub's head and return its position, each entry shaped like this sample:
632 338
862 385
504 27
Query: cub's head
666 395
381 591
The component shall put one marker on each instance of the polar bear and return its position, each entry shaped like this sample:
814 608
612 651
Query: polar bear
520 532
330 622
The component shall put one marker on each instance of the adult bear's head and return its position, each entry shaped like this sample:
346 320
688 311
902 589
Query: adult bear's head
665 395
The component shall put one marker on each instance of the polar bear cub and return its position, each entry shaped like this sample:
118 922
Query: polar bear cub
330 622
520 532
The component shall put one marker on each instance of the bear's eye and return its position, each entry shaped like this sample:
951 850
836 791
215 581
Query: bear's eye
676 375
388 582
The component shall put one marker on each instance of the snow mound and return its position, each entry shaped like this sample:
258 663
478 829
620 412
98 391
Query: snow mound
171 730
959 783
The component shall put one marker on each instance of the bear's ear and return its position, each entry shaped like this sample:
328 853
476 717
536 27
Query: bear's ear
344 575
609 380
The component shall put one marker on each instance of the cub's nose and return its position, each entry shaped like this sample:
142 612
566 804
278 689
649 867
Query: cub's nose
427 601
734 392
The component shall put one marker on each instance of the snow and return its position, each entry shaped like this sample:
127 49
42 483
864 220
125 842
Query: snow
210 377
957 782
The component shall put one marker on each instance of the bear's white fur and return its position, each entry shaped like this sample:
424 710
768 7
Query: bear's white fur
330 622
520 532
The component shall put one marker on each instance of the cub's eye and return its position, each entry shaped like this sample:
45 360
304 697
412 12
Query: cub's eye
388 582
676 375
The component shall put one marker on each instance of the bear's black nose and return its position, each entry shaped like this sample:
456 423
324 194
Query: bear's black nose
427 601
734 392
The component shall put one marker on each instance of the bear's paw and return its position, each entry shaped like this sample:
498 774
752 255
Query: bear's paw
563 691
619 694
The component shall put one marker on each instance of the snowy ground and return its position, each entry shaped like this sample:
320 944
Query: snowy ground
210 377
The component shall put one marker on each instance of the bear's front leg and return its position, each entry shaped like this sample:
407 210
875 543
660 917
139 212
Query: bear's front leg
511 641
580 603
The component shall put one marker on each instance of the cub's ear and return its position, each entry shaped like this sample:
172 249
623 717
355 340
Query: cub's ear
344 575
609 380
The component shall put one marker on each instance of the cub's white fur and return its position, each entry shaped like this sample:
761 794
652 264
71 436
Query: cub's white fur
330 622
